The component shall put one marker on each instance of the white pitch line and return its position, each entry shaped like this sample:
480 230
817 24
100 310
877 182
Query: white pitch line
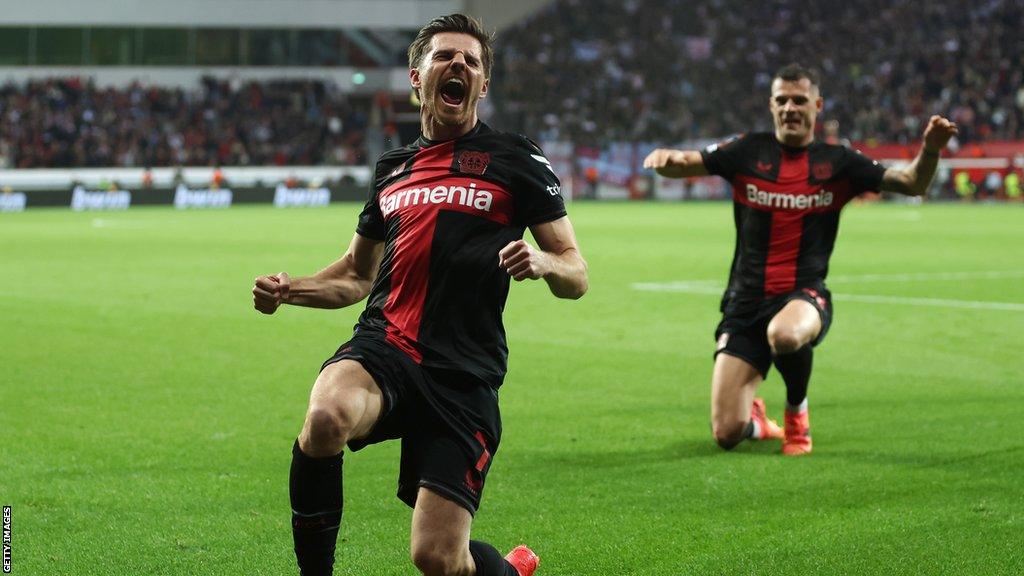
936 302
924 277
714 288
708 285
121 224
688 287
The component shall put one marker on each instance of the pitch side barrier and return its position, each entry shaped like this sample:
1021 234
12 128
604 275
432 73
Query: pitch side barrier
82 198
99 191
614 170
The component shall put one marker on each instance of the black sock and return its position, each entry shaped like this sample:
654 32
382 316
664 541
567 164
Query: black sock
489 561
796 372
315 488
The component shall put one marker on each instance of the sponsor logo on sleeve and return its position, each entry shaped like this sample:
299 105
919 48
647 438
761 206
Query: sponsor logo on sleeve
710 149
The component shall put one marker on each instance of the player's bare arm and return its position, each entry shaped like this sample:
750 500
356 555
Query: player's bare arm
676 163
343 283
915 178
558 260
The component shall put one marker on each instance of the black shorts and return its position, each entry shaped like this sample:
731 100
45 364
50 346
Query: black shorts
745 334
448 421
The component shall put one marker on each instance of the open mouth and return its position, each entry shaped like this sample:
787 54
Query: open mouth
791 122
453 91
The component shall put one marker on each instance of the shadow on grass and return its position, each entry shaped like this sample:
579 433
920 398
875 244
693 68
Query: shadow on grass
924 459
689 449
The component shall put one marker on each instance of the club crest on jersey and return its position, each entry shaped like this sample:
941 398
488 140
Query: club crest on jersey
821 170
473 162
764 167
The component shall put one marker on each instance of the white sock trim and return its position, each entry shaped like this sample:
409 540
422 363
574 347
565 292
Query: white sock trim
802 407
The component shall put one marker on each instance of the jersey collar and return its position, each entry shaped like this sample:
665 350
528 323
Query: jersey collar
424 142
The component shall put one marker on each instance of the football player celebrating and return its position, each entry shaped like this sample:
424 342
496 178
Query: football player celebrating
435 248
788 191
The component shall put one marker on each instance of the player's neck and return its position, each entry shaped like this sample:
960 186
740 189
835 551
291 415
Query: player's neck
437 132
794 143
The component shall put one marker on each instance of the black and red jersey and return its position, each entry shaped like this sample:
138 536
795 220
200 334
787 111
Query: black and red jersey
786 205
444 210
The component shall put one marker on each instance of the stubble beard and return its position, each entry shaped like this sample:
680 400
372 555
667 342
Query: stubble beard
797 135
435 109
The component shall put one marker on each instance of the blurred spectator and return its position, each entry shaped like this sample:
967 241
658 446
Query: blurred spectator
963 186
1012 186
587 71
669 70
147 178
993 184
66 122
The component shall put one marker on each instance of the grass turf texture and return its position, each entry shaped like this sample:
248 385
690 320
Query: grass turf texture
148 412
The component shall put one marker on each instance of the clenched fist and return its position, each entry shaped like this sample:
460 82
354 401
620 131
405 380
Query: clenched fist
523 261
937 133
270 291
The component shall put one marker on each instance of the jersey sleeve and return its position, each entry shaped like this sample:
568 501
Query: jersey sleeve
864 173
725 158
371 220
538 193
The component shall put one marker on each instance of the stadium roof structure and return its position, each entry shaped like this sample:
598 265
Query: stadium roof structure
391 14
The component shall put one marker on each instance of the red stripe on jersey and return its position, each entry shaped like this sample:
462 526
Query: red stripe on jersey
787 226
410 266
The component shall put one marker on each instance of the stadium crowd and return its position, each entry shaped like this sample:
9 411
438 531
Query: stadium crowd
670 70
592 72
70 123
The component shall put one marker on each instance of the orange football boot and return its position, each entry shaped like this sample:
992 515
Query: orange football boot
798 433
523 560
769 428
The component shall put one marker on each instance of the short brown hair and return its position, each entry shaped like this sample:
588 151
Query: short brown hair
452 23
794 73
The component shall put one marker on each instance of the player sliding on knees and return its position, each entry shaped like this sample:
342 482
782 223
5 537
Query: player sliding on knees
435 249
788 191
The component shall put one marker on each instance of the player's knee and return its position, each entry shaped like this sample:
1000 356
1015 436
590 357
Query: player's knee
728 434
783 339
327 430
434 560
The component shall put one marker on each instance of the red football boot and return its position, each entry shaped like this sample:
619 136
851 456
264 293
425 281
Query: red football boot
523 560
770 429
798 433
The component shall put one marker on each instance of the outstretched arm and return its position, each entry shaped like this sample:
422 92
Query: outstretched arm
676 163
558 261
344 282
914 179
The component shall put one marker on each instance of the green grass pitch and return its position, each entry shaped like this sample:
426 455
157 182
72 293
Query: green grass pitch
147 411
